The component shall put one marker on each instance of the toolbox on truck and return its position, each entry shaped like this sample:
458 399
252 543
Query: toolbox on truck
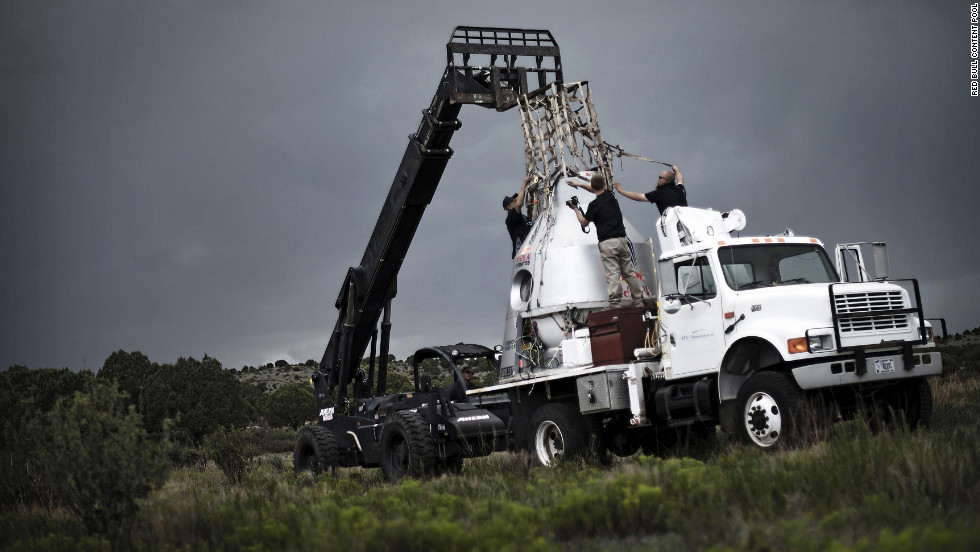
615 333
602 392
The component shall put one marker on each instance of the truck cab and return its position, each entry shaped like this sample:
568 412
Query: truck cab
734 307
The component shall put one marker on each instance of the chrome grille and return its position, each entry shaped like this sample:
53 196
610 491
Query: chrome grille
871 302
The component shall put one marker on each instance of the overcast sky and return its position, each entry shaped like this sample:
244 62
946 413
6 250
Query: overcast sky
182 178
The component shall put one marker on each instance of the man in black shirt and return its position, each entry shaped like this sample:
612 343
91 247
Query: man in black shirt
617 262
670 191
517 223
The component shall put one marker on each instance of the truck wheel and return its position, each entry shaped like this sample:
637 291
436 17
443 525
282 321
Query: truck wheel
910 399
770 404
621 445
407 447
918 406
559 432
315 451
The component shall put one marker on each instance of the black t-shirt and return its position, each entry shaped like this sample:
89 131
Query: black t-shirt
667 196
604 212
517 227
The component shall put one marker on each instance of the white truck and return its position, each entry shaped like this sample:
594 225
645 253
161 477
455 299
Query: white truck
736 332
749 331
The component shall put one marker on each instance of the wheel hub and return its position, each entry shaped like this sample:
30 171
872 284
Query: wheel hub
763 420
549 443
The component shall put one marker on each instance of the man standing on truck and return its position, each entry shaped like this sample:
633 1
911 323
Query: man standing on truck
617 261
670 191
517 223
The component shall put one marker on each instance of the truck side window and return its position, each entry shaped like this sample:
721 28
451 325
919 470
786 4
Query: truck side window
694 278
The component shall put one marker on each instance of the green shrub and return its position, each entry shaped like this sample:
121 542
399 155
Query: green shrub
292 404
131 372
95 457
272 440
232 451
182 455
198 395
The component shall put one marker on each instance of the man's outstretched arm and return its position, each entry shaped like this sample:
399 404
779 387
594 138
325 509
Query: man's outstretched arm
631 195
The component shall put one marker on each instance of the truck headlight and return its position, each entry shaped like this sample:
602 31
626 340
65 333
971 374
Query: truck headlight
819 342
926 334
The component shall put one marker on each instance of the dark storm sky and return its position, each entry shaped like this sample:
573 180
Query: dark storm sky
183 178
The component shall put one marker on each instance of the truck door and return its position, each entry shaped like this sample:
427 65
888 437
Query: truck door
693 333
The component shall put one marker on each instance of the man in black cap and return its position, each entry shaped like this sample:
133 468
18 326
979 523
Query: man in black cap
670 191
517 224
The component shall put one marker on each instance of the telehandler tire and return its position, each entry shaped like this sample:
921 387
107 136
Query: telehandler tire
407 447
315 451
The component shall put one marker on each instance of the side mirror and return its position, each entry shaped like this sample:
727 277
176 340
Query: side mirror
882 270
666 277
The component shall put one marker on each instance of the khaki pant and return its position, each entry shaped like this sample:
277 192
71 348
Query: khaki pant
618 265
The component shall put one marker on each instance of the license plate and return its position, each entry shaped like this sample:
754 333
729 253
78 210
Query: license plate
884 365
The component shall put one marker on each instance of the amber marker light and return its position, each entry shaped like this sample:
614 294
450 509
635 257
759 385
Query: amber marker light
796 345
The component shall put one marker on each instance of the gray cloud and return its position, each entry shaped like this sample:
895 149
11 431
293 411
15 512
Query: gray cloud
188 179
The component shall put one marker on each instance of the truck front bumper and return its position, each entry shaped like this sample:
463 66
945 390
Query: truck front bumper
844 371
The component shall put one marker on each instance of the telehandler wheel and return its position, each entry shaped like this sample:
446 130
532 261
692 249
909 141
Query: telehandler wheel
559 432
315 451
770 405
407 447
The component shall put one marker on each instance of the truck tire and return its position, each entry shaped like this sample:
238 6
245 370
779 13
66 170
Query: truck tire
407 447
315 451
910 399
918 405
769 406
559 432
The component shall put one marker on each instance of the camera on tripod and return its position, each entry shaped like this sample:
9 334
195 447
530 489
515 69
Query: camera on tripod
572 202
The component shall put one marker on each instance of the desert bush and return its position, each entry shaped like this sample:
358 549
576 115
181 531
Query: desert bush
292 404
96 459
272 440
26 395
199 396
130 372
183 454
231 450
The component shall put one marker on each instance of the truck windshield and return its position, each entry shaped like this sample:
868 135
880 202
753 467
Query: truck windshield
761 265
